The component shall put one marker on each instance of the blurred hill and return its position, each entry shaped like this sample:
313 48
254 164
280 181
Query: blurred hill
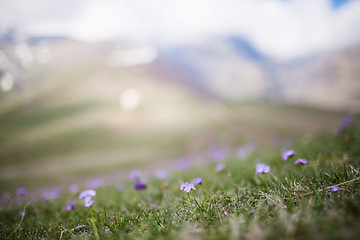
233 69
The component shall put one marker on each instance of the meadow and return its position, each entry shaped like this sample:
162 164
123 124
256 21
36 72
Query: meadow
63 132
315 200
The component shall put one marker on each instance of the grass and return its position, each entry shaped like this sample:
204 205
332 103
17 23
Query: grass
290 202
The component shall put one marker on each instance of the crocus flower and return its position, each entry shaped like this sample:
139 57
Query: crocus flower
187 187
21 191
220 167
196 181
139 185
261 168
334 188
301 161
288 154
69 206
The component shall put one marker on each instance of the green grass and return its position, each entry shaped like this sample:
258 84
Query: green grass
290 202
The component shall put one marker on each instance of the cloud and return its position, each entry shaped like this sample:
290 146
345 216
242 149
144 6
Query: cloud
279 28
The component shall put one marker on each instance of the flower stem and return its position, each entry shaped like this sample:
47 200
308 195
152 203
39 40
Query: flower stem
189 198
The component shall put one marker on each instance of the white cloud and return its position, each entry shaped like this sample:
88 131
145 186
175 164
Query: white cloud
282 29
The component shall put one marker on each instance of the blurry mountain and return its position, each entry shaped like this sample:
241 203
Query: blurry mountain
329 80
233 69
228 67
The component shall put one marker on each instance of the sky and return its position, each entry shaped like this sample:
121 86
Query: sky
283 29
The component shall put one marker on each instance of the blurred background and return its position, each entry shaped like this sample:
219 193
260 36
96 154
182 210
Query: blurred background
97 88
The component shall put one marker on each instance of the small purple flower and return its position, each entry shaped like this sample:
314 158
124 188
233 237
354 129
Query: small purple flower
161 174
334 188
182 164
69 206
301 161
4 199
196 181
96 183
187 187
21 191
73 188
288 154
52 194
261 168
22 214
134 174
220 167
88 202
217 154
139 185
87 193
343 124
246 149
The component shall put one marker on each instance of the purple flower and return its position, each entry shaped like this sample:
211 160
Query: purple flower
22 214
301 161
196 181
52 194
139 185
288 154
87 193
96 183
334 188
343 124
69 206
73 188
161 174
88 202
134 174
21 191
182 164
261 168
220 167
217 154
187 187
4 199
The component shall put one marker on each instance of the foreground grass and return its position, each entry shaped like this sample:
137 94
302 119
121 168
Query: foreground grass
290 202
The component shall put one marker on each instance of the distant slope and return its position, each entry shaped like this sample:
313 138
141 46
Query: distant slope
233 69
